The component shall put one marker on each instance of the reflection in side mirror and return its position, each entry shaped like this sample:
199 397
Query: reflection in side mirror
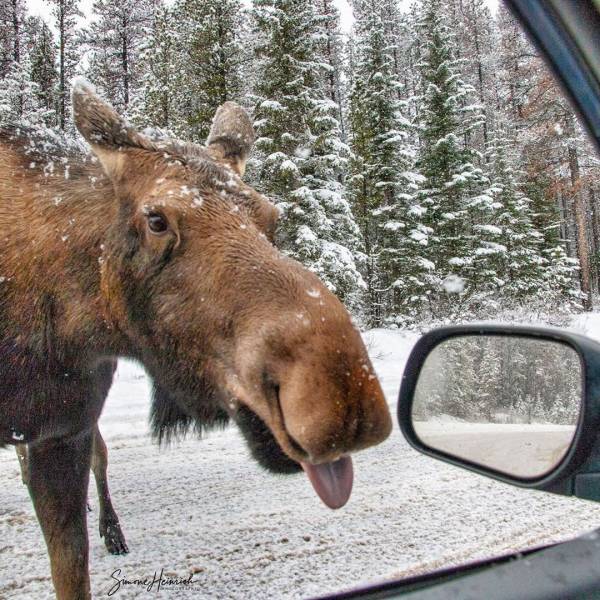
505 402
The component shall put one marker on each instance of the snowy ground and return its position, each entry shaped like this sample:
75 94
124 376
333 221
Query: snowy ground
203 507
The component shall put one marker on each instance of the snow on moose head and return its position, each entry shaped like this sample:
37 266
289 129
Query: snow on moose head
227 326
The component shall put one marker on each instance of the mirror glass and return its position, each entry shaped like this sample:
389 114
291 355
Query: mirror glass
506 402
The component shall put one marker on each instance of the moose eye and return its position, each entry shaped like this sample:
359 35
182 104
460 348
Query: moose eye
157 223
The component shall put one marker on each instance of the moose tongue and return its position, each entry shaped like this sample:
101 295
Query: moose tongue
332 481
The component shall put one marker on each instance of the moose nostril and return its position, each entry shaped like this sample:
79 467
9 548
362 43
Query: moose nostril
270 385
296 446
271 388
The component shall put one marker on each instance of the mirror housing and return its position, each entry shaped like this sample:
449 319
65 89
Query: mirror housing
578 472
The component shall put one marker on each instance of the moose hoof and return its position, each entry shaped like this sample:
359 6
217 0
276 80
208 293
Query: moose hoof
114 539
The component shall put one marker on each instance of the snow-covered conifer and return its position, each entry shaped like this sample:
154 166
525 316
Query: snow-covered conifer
519 270
158 100
302 155
332 50
65 14
211 55
42 56
20 94
451 192
380 181
19 97
114 39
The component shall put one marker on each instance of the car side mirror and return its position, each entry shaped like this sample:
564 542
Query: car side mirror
518 404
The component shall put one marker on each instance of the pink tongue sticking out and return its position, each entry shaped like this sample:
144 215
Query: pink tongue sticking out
332 481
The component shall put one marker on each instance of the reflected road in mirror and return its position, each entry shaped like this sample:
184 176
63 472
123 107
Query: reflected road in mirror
509 403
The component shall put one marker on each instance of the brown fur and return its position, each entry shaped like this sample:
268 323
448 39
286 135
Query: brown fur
225 325
108 522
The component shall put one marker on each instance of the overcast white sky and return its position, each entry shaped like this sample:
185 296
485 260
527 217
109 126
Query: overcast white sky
39 7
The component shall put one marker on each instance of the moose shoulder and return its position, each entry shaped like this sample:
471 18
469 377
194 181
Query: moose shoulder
158 251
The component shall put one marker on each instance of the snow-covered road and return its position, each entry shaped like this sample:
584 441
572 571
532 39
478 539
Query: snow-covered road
203 507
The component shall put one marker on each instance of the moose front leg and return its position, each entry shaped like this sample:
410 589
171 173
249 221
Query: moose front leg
22 455
58 482
110 529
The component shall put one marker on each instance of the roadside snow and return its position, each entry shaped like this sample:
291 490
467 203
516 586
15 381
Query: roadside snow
587 324
203 507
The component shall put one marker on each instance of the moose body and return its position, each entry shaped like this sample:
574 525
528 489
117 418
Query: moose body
159 252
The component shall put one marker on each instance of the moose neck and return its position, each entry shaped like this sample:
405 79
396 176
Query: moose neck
58 223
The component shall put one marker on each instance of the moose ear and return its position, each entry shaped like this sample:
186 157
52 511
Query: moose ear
107 133
231 136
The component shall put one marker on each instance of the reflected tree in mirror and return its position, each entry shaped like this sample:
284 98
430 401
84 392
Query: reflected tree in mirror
506 402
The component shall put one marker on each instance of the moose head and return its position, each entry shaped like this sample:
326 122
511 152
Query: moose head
225 324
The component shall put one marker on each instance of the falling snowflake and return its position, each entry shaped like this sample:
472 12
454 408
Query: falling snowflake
453 284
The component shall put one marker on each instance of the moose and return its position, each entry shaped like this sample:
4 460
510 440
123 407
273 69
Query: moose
158 251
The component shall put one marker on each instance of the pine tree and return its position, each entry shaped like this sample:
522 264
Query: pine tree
114 39
529 102
472 25
18 97
452 192
42 52
19 92
12 17
335 256
381 157
65 13
212 53
333 58
7 33
158 101
303 157
521 268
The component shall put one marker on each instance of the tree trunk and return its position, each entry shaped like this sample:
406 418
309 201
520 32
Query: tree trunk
61 84
16 31
581 228
333 77
223 96
595 237
125 60
564 230
481 83
17 48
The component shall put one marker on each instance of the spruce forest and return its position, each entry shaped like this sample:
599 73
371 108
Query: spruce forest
426 165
